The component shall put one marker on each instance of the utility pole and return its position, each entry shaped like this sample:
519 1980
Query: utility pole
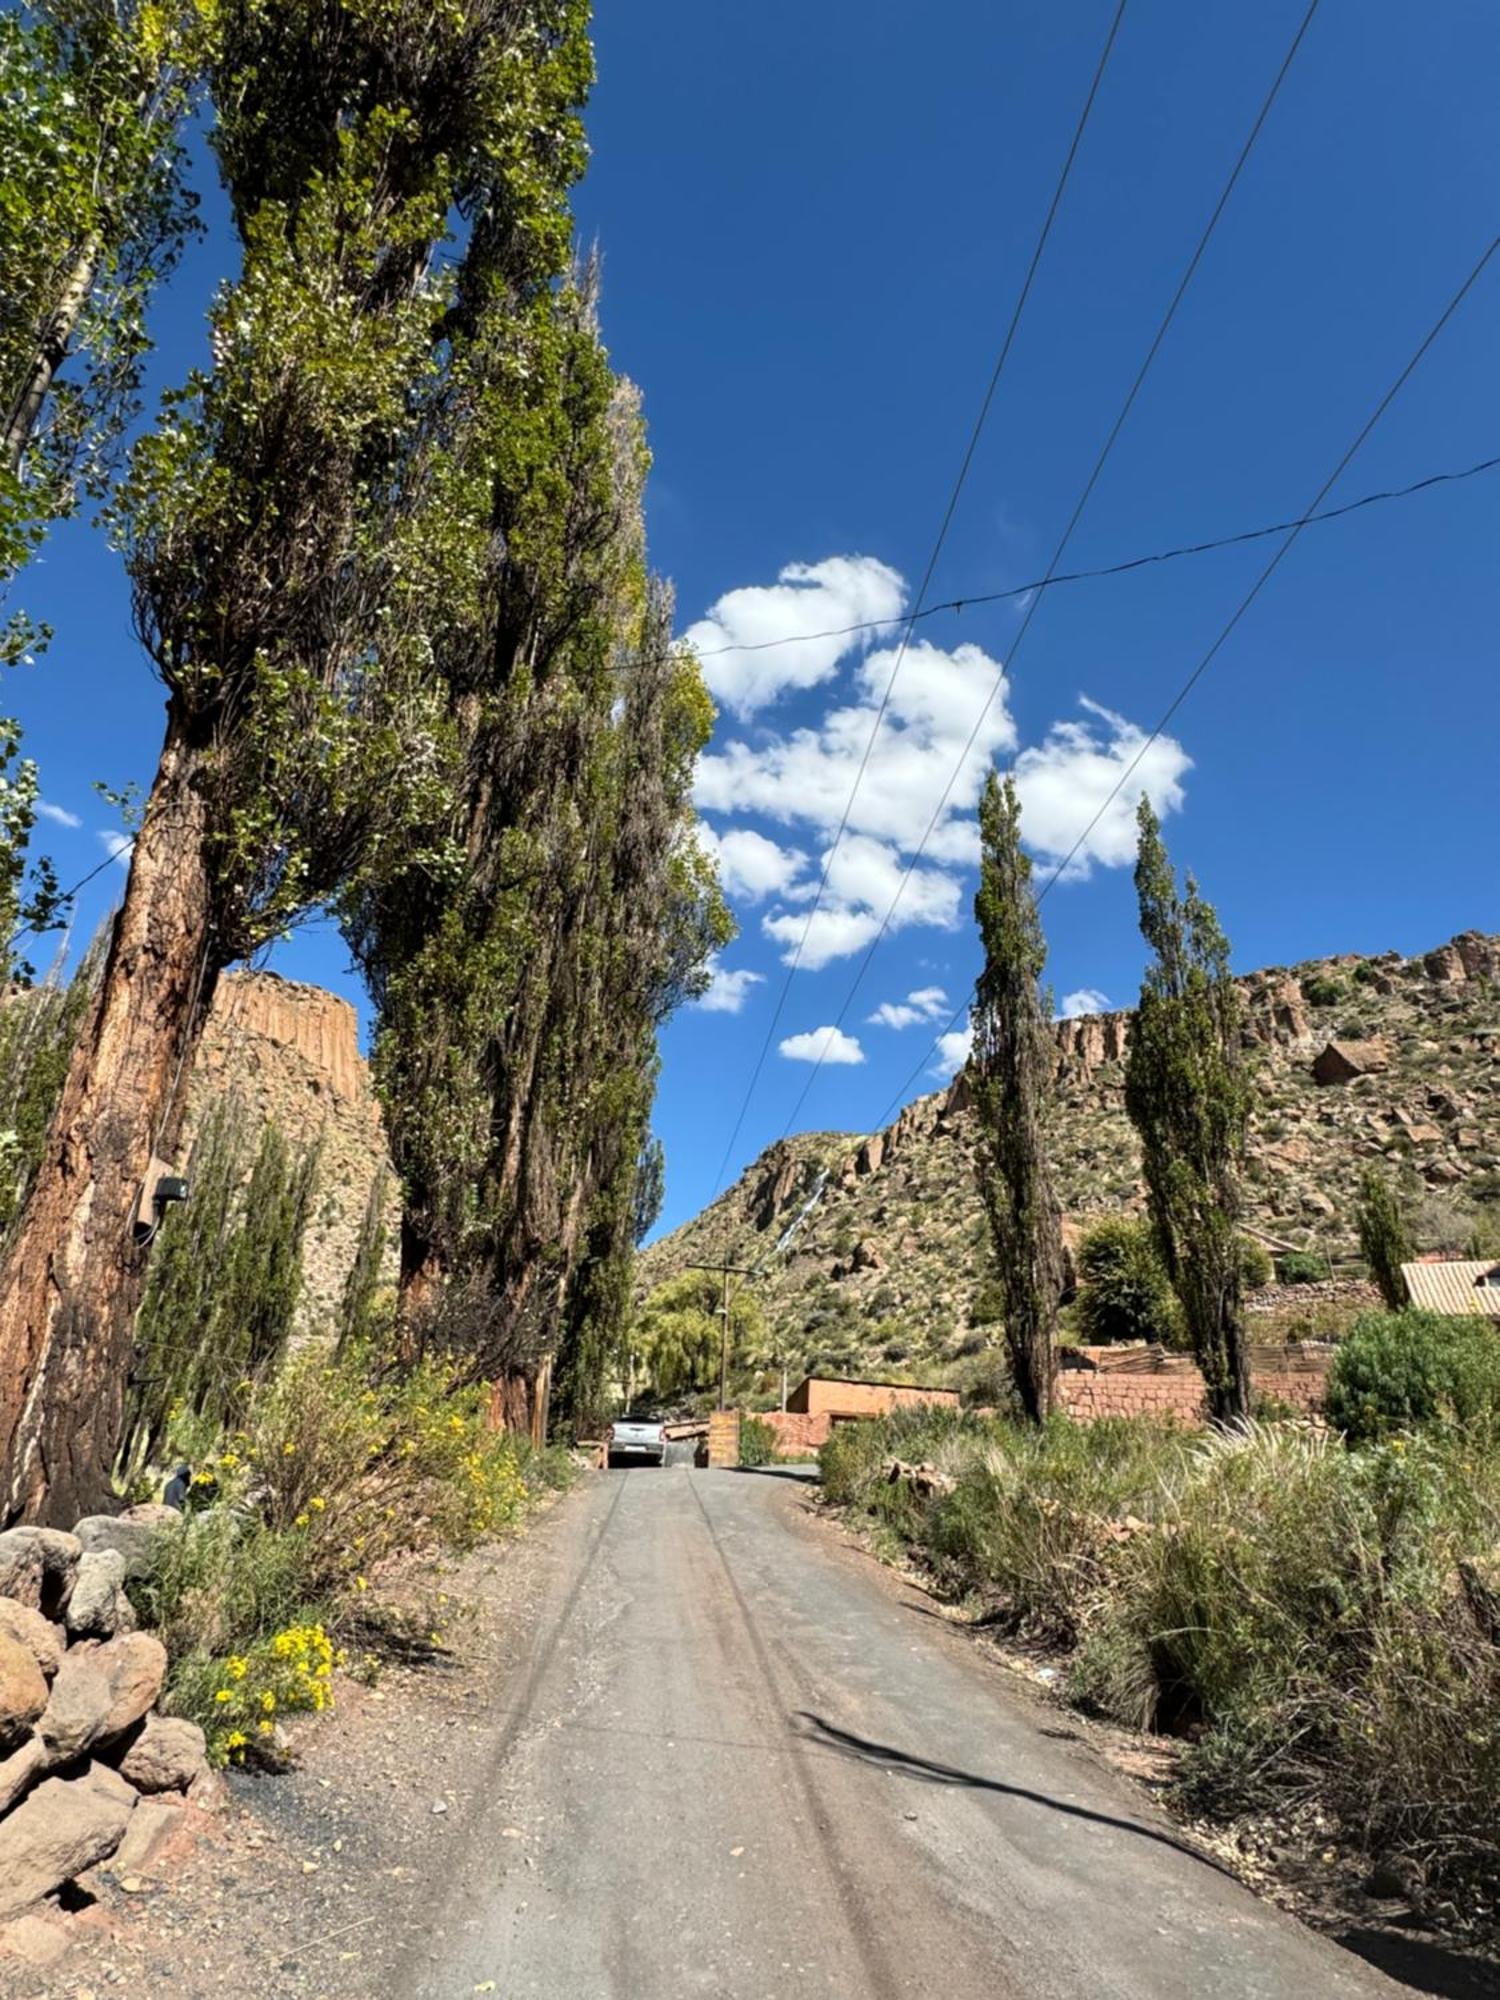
728 1271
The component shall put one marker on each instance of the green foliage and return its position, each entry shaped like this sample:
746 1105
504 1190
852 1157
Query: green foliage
1011 1074
1325 990
1313 1617
1256 1268
1402 1370
987 1307
650 1189
1384 1239
1188 1097
37 1033
1301 1267
223 1280
1123 1291
360 1308
757 1442
675 1337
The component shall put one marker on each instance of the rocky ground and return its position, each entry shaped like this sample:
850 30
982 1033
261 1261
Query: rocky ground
888 1273
312 1882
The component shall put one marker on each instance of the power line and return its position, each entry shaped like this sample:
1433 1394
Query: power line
1124 568
1293 530
1067 535
932 562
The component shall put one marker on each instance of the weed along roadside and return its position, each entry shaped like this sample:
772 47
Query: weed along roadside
1312 1620
146 1652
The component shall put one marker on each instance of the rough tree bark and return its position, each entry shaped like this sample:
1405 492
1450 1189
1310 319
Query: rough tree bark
71 1284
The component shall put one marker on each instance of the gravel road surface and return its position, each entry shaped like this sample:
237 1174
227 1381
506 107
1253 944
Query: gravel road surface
736 1763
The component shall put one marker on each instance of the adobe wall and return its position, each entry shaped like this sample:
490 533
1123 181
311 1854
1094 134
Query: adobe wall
1176 1397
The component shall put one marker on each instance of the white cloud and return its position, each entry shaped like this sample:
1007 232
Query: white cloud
928 1003
827 1045
727 992
119 846
750 866
1064 781
953 1051
864 879
59 815
764 626
1087 1000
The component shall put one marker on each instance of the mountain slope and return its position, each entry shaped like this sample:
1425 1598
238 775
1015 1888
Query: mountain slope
888 1270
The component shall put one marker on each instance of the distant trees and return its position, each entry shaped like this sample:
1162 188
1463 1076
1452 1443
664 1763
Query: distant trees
1011 1074
1384 1239
1188 1098
675 1338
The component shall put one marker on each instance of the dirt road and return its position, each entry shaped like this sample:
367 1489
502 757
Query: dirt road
737 1764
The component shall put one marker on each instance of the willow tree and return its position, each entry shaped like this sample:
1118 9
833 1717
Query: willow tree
1011 1070
1188 1097
283 557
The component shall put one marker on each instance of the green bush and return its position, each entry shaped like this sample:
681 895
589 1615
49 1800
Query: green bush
1401 1371
1256 1268
1123 1290
757 1442
1324 990
1301 1267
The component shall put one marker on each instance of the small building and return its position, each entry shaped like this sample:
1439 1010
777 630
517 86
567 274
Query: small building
842 1402
1463 1287
1341 1062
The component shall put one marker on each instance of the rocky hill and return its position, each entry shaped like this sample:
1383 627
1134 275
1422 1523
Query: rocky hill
1354 1059
290 1053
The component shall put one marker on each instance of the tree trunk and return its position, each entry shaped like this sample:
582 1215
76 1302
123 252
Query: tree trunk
48 356
71 1285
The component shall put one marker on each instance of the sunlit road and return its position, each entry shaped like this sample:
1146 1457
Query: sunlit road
742 1764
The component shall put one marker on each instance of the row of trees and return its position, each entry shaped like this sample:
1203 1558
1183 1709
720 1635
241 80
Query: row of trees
387 558
1187 1093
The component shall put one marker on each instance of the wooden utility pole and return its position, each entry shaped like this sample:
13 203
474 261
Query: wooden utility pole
728 1271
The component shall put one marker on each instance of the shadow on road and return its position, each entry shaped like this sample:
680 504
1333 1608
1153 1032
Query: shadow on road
1430 1968
804 1474
903 1762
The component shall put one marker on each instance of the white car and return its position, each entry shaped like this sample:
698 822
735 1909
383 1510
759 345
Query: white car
637 1440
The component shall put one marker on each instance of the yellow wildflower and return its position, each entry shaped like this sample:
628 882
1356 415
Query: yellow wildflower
317 1503
224 1694
268 1701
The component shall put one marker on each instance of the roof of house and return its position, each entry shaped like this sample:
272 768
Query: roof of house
1457 1287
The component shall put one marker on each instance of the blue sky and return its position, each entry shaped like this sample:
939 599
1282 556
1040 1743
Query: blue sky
814 222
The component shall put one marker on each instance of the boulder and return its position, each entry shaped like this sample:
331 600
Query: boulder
20 1771
67 1825
152 1824
36 1567
132 1535
30 1629
134 1666
98 1607
73 1719
166 1755
23 1692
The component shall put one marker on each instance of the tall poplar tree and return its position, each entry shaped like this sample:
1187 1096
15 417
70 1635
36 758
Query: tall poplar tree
1011 1072
1188 1097
287 566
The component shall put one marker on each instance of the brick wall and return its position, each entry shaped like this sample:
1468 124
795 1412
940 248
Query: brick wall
1117 1393
796 1432
864 1399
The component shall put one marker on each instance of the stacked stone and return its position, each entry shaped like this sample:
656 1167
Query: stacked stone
89 1772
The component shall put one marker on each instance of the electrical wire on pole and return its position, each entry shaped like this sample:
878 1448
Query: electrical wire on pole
1207 659
1241 159
910 621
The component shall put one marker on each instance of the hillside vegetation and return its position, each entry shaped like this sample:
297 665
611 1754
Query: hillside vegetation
890 1272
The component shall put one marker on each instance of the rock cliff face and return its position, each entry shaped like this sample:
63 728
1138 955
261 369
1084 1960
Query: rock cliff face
290 1052
888 1269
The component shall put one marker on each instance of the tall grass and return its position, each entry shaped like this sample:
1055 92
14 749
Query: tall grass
1323 1622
